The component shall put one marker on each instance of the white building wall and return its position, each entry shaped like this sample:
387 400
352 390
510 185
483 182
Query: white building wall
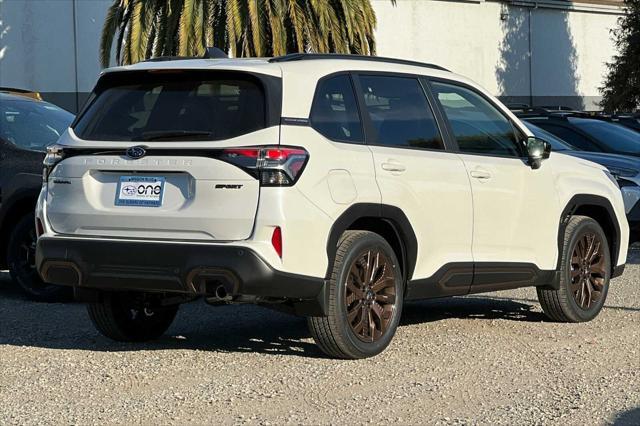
460 36
90 15
526 54
52 46
40 41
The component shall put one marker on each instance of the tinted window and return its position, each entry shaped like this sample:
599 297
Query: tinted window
32 125
556 143
615 137
478 126
175 106
400 113
335 111
571 136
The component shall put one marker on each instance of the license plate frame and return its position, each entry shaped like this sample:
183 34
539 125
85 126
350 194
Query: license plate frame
128 191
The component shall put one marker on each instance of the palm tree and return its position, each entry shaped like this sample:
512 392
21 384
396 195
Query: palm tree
150 28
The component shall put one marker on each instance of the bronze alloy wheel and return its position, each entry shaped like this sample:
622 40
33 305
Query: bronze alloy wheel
588 272
370 295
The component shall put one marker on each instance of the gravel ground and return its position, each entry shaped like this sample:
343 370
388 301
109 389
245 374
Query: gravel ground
471 360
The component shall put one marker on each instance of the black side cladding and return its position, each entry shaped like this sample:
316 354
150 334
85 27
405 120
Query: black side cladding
585 200
391 214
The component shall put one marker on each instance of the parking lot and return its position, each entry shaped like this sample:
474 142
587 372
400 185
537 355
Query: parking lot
477 359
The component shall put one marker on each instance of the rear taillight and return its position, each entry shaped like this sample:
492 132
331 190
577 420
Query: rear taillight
55 154
39 228
272 165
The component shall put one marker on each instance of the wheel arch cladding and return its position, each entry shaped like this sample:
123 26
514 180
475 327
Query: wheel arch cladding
388 221
599 209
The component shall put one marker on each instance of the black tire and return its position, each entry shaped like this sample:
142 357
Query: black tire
335 334
564 304
21 261
131 317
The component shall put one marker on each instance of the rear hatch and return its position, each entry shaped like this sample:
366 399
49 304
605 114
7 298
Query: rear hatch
154 156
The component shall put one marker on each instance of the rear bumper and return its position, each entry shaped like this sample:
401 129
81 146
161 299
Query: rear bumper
192 269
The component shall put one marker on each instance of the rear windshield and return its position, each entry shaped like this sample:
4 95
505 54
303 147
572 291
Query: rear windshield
32 125
173 105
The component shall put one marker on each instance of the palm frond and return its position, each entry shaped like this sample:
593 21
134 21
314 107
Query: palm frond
256 26
147 28
109 30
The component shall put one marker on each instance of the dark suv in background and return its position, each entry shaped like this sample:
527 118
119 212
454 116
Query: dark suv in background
632 121
585 132
625 169
27 126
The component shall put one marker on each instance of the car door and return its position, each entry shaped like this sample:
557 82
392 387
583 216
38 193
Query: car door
417 174
515 208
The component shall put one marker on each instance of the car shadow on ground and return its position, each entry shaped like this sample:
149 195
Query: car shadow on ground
633 255
222 328
9 290
628 418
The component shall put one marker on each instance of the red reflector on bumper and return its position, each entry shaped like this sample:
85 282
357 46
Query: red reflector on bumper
276 241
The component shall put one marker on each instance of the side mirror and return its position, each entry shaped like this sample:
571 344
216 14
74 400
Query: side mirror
537 150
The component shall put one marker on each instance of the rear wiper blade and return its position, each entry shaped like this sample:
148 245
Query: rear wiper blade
173 134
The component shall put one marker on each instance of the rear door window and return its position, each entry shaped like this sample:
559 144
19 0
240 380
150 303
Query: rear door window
177 105
335 111
399 112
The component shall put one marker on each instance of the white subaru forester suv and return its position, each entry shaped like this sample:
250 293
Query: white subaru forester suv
334 187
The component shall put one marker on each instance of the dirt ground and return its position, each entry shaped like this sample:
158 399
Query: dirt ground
468 360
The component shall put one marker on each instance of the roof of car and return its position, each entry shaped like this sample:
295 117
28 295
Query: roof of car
8 97
379 59
4 96
22 93
300 72
256 65
563 117
278 65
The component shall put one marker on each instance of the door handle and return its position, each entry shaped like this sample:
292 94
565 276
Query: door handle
481 174
393 166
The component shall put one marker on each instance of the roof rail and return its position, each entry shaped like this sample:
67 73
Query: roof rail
534 112
311 56
518 106
557 108
525 109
